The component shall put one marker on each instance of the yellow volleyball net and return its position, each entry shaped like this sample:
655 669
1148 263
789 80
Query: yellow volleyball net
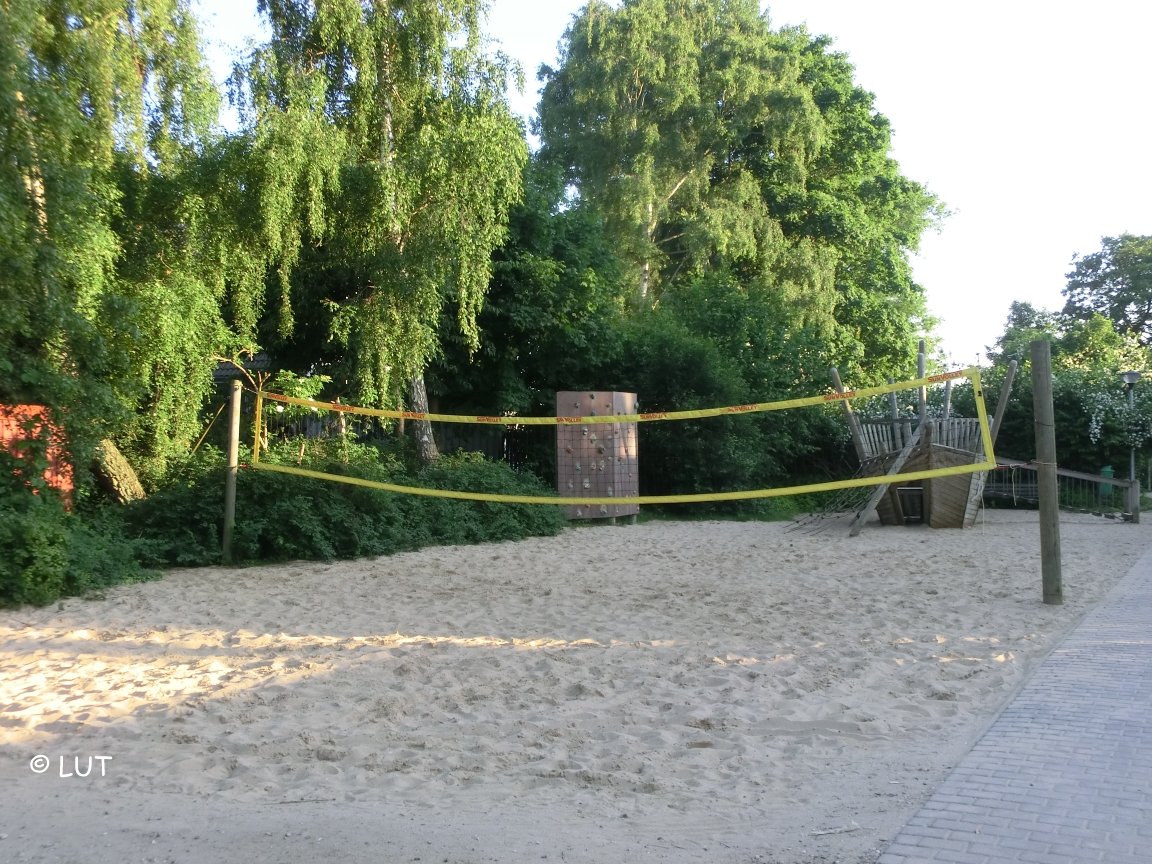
307 417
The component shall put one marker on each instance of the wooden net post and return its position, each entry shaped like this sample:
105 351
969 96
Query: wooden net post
1046 481
233 470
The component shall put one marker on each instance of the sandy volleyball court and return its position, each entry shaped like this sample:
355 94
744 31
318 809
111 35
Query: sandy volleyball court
671 691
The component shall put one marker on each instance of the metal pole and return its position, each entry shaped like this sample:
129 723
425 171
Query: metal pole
233 470
1046 472
1134 486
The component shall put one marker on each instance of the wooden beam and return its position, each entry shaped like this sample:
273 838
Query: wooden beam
1002 402
922 371
897 438
853 424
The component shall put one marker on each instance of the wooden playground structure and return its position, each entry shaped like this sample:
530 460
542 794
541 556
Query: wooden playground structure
902 445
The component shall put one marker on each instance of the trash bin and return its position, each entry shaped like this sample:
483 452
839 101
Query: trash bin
1106 488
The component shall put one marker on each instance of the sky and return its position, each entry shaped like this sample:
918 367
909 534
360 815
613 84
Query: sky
1030 120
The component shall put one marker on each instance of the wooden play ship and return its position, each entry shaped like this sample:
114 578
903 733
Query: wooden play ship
902 445
941 502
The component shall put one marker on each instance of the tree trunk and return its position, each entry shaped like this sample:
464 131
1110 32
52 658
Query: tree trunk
422 429
115 475
32 176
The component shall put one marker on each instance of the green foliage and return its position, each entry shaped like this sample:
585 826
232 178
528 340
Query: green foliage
1094 425
386 161
855 200
112 292
674 366
554 304
282 517
660 111
710 144
50 553
1115 282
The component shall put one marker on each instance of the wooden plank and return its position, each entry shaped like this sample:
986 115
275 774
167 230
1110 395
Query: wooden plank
1002 403
922 371
881 490
949 495
897 439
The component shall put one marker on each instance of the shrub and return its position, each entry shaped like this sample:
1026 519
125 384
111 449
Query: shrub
49 553
282 517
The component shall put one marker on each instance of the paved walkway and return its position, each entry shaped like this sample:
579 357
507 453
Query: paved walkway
1064 775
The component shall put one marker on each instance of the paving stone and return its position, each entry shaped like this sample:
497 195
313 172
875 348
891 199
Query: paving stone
1064 775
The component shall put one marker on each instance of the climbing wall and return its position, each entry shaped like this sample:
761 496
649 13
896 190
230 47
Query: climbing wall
597 460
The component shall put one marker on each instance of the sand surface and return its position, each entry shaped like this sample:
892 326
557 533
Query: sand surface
666 692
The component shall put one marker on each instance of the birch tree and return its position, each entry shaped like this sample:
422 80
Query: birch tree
99 100
390 160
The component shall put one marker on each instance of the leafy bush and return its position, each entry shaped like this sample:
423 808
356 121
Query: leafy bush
49 553
282 516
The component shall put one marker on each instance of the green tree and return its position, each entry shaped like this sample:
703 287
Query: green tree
387 160
554 304
1093 424
101 102
709 143
657 112
1025 325
855 200
1115 282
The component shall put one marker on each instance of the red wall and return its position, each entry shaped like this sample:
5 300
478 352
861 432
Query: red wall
20 423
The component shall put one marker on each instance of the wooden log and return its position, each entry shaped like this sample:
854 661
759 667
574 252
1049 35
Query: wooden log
853 423
115 474
897 438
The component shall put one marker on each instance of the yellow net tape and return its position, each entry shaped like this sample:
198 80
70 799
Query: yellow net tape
986 464
516 420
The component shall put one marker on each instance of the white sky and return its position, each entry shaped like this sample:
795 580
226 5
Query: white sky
1029 119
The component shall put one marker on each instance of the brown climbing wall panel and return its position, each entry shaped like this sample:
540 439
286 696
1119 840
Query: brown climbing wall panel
597 460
